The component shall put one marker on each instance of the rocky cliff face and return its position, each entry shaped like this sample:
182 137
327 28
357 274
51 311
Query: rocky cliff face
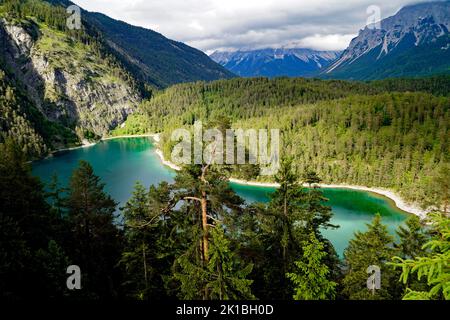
401 39
65 79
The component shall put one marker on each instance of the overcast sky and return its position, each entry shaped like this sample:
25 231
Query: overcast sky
249 24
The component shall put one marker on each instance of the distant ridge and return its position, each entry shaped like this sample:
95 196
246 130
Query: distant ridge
275 62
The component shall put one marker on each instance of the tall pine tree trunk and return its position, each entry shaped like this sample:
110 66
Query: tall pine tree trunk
205 228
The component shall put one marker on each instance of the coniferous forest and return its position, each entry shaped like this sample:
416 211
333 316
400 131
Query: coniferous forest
196 238
391 133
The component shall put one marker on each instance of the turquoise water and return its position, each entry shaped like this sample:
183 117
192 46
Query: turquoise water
122 162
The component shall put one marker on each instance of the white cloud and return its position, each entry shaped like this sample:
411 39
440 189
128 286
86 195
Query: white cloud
237 24
325 42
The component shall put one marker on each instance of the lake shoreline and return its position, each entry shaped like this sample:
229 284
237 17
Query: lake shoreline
87 144
392 196
399 202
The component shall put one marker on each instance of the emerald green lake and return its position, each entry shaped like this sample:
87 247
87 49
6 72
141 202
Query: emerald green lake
122 162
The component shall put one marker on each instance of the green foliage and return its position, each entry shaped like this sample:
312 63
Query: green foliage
148 252
228 276
160 252
53 263
434 266
22 121
223 278
84 54
207 199
30 244
391 134
136 124
438 186
53 16
412 238
271 236
311 279
14 122
97 244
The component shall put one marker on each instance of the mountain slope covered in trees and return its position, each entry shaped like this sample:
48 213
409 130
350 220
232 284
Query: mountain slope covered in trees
155 59
69 76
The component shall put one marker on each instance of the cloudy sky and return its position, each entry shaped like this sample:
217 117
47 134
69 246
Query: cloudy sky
249 24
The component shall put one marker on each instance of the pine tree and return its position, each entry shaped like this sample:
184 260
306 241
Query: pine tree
370 248
291 215
207 201
53 263
223 278
227 276
147 255
433 267
28 229
96 241
412 236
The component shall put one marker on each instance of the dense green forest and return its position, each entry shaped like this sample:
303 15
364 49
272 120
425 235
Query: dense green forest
196 239
392 133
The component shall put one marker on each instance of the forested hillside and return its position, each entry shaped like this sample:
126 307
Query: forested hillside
391 134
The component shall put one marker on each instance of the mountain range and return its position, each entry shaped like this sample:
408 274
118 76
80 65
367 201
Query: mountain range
295 62
414 42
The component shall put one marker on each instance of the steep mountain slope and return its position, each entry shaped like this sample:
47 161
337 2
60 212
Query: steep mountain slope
154 58
151 57
275 62
414 42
